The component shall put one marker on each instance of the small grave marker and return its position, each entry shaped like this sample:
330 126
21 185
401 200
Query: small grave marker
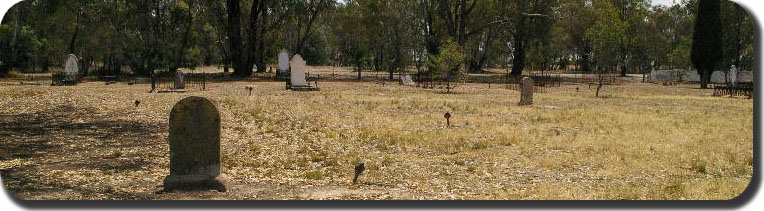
448 119
250 88
359 168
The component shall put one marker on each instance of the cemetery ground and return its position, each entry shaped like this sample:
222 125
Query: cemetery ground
639 141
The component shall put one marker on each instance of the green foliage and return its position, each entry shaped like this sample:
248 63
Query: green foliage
449 63
606 34
117 36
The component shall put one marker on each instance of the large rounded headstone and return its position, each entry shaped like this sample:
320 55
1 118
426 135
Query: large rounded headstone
526 92
195 146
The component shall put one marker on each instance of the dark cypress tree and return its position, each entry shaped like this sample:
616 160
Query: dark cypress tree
706 41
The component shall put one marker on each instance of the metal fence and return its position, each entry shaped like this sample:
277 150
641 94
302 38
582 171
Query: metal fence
179 81
60 78
738 89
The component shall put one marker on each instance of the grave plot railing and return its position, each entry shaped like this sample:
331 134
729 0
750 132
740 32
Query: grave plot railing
544 79
538 87
738 89
423 80
179 81
61 79
594 79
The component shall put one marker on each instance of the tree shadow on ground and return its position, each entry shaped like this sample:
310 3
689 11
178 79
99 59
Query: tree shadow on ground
74 139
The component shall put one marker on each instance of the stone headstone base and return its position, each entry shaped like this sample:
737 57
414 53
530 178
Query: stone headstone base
172 91
195 182
304 88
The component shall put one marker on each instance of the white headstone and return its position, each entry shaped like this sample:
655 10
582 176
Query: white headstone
72 68
406 79
733 74
283 61
298 71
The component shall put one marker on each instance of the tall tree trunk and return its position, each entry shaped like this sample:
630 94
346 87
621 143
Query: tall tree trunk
705 79
75 33
233 30
261 53
179 55
518 62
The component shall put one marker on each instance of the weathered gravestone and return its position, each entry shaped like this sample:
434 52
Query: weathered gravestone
406 80
283 61
526 92
71 70
297 76
195 146
179 81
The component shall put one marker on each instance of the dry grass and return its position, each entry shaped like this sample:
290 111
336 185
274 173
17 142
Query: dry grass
643 141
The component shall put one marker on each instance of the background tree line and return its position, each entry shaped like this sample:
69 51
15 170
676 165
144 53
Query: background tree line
243 36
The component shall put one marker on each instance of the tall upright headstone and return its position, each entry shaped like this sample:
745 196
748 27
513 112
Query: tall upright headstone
733 74
526 92
283 61
71 69
179 81
297 76
195 146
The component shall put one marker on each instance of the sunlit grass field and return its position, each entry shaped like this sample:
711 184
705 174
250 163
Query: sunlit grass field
639 141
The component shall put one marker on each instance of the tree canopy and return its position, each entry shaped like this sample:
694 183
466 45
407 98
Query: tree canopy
145 36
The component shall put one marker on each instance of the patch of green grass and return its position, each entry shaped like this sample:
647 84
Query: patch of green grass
314 175
700 166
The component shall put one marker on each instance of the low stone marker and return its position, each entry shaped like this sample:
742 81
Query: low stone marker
195 146
526 92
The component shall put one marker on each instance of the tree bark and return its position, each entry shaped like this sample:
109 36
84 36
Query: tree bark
705 79
518 62
233 30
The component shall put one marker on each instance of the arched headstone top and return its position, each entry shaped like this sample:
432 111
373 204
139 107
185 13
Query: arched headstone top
297 59
194 107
